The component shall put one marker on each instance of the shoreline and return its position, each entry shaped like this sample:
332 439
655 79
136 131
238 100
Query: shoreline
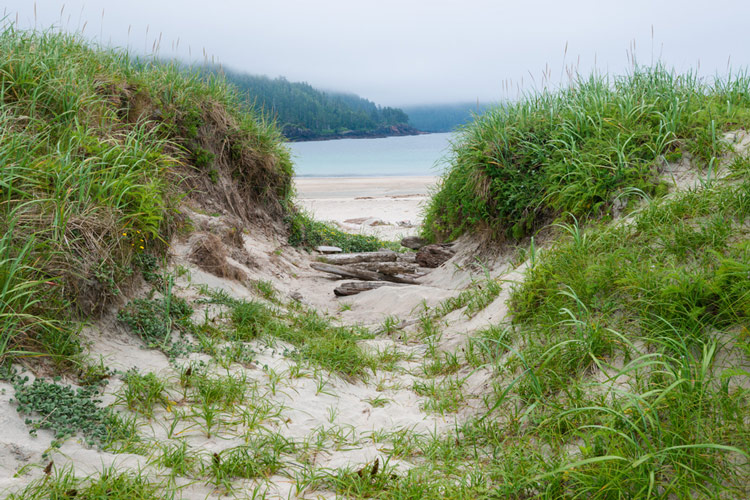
363 176
356 136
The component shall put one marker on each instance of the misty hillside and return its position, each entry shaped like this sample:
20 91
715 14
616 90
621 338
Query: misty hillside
306 113
443 117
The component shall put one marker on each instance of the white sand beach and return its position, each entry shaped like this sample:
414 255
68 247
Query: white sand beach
389 207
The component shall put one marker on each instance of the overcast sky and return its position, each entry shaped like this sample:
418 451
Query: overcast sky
399 52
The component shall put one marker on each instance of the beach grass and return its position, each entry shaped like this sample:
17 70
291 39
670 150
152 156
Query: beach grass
585 150
97 148
622 370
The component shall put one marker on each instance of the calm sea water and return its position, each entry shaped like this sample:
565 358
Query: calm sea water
389 156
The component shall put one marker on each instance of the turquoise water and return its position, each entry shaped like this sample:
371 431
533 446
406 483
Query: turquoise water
389 156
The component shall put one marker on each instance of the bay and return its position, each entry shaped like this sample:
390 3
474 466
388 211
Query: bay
415 155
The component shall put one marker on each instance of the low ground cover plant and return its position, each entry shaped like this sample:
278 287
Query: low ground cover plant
67 411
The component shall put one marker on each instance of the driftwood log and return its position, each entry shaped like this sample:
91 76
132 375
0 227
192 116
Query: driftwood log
328 249
343 259
355 258
361 274
407 257
413 242
355 287
390 268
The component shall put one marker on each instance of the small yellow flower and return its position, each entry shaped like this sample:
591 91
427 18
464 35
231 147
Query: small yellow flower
141 247
124 234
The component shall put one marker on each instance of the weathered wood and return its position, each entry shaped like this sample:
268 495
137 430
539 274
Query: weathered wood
345 272
407 257
389 268
361 274
328 249
354 258
355 287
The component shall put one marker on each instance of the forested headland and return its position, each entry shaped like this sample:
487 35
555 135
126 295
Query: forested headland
305 113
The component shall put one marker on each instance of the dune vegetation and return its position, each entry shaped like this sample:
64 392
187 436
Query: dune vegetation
623 372
582 151
96 151
618 213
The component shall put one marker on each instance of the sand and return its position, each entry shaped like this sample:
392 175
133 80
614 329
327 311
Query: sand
388 207
309 404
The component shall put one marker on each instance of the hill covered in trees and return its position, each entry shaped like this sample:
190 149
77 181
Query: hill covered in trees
306 113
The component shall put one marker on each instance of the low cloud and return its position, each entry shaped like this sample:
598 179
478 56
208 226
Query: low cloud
398 53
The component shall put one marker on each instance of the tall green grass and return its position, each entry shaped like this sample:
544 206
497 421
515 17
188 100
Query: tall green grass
23 290
96 151
624 370
519 166
655 306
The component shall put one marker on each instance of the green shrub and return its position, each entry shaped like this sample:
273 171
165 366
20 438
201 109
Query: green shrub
152 319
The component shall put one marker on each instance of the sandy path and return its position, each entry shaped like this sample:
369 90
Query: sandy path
334 422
